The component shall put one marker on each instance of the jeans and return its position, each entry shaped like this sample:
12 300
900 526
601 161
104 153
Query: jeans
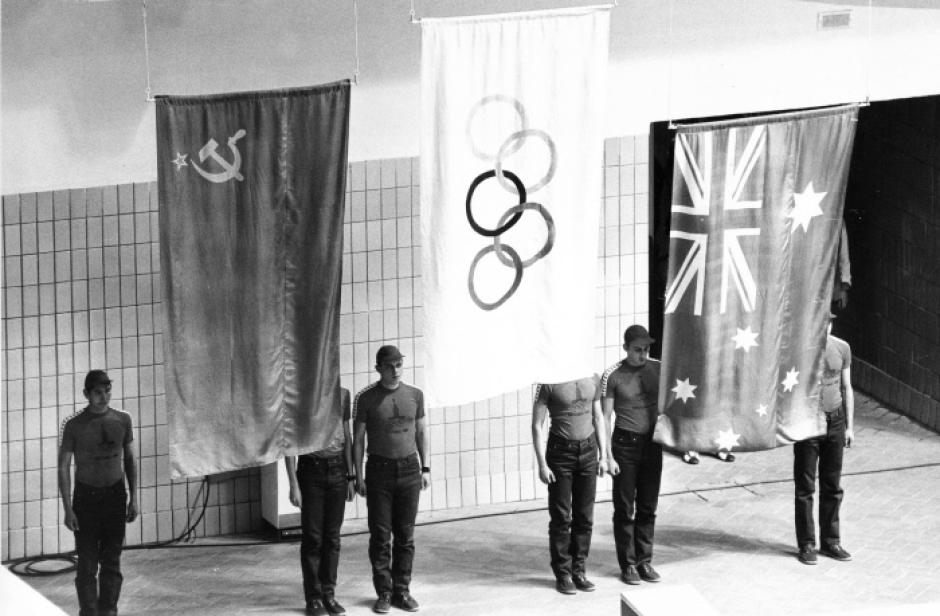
393 487
323 502
827 451
571 502
102 515
635 495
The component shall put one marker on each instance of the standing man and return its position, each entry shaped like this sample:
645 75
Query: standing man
320 485
389 416
837 400
101 440
570 469
630 392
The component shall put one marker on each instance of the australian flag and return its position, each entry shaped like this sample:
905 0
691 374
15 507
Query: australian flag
756 215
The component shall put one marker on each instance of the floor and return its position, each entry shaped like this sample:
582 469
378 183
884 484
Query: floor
725 530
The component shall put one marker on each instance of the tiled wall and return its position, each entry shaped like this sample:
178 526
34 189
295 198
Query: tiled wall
82 290
893 220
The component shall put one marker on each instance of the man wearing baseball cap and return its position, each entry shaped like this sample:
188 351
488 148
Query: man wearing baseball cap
389 425
630 393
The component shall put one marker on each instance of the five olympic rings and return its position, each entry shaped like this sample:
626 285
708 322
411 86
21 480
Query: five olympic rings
506 254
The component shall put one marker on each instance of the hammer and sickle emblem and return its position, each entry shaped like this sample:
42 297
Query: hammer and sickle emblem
231 169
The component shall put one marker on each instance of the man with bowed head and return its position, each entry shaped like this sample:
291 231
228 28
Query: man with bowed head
390 426
630 400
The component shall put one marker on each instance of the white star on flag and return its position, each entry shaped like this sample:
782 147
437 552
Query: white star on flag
180 160
805 207
727 439
790 382
684 390
745 339
761 410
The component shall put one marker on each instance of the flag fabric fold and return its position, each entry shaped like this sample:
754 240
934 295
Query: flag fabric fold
251 197
755 223
511 157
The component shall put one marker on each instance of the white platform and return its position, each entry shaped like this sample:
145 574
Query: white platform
17 597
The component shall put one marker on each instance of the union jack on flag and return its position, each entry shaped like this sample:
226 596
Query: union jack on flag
756 215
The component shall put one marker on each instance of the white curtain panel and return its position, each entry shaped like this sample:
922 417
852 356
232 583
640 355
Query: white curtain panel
511 160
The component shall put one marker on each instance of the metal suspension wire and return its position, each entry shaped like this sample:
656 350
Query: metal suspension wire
355 78
143 9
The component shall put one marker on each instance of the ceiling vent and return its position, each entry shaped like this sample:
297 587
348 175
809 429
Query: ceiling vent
833 20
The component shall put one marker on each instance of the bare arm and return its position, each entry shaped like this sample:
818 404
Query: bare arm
348 456
290 463
359 450
607 405
848 399
539 414
65 488
130 471
423 450
600 429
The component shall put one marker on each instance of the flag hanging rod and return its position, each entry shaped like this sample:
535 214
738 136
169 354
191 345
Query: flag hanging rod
595 7
148 93
768 117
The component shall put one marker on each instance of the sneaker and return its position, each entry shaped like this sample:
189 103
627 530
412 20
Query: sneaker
404 601
690 457
630 575
316 608
647 572
725 456
582 583
383 604
333 606
807 555
835 551
565 585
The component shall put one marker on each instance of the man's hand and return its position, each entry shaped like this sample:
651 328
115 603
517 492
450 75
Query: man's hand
71 521
295 497
602 468
849 437
132 510
350 490
361 486
612 466
546 475
425 480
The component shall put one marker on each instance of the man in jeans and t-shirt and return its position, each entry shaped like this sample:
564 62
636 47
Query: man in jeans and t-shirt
390 415
630 390
837 399
570 469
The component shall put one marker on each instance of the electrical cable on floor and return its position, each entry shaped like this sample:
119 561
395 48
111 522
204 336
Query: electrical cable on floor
31 565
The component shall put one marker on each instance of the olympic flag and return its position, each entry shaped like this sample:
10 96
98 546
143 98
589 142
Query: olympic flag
756 216
511 156
251 239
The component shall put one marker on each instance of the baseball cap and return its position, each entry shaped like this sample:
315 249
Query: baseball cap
637 332
387 353
95 378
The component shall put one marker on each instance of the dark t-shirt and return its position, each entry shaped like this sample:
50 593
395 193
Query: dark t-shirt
635 392
337 442
570 405
97 441
390 416
837 357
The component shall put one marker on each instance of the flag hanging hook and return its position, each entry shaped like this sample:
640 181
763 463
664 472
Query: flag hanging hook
148 94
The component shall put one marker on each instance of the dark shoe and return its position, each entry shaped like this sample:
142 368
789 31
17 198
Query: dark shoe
647 572
333 606
630 575
807 555
316 608
383 604
565 585
690 457
582 582
404 601
725 456
835 551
